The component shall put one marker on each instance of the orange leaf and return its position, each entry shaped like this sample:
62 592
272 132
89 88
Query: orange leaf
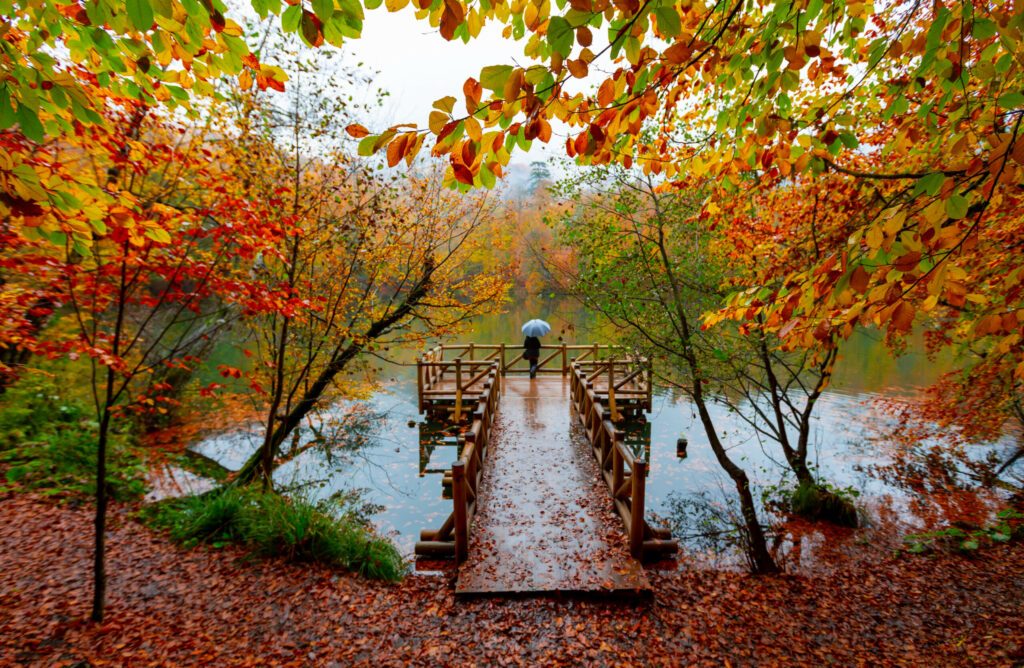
396 149
859 279
357 131
677 54
578 68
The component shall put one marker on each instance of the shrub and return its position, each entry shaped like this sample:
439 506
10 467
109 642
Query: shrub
48 443
821 502
269 524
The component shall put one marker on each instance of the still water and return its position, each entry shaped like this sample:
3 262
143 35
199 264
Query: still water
396 459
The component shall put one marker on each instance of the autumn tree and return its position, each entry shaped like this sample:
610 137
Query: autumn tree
917 105
648 267
359 259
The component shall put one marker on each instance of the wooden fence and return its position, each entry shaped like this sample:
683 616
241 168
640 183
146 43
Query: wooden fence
624 473
449 376
453 536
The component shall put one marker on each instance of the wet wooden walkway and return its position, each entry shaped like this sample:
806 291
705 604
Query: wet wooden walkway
546 494
544 521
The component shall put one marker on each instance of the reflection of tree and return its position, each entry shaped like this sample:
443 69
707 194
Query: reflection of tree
712 526
345 429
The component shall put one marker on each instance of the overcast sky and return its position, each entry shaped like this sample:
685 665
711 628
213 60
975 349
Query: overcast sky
417 66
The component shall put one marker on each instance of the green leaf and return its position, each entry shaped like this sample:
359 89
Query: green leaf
487 178
983 29
849 140
493 77
141 13
291 18
929 184
31 127
1011 100
956 207
1000 537
334 31
366 145
7 115
668 21
969 545
560 35
323 9
159 235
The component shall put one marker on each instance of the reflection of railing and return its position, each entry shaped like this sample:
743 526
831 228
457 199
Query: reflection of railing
598 415
434 435
453 536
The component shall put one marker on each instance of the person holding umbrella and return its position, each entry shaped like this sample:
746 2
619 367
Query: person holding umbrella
531 347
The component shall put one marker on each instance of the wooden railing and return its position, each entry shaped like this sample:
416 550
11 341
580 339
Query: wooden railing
620 383
554 358
453 536
624 473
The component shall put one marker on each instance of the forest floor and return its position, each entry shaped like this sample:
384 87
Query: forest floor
171 606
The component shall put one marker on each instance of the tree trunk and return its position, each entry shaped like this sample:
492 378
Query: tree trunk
760 558
99 590
263 459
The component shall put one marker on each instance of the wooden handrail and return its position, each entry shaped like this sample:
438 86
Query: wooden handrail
628 489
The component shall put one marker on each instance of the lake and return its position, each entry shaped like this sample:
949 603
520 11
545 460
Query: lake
396 458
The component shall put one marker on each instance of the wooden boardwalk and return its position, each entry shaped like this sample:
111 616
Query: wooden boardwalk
542 471
544 522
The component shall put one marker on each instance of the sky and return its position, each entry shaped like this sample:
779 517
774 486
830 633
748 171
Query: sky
417 66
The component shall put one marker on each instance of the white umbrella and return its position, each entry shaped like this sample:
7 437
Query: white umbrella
536 328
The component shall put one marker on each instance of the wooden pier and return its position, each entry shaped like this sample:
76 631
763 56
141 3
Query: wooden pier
528 511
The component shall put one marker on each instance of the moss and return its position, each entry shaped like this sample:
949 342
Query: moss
820 503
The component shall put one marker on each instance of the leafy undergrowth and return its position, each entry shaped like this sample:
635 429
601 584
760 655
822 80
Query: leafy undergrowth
48 443
211 607
272 525
1009 525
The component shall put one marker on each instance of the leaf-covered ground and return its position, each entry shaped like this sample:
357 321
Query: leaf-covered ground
169 606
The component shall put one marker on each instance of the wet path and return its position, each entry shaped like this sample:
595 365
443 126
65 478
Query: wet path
545 521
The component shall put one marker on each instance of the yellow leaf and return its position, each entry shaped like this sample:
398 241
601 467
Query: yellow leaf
874 237
437 121
473 129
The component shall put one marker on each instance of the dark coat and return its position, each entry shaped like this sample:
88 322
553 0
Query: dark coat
532 347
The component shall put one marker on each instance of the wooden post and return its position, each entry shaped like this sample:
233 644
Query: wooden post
471 353
419 383
616 469
650 384
458 389
565 361
636 509
461 521
611 391
503 359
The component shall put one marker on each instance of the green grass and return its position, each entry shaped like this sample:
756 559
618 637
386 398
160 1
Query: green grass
273 525
48 444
